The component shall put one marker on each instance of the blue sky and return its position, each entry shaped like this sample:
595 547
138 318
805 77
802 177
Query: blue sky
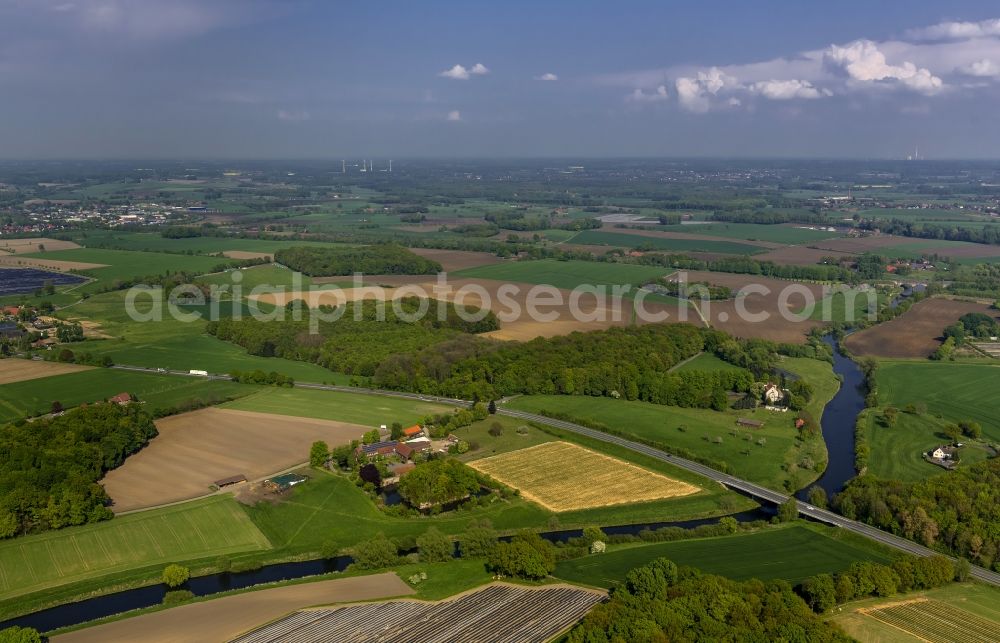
306 79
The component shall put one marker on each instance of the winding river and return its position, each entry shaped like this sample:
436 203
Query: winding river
838 433
838 421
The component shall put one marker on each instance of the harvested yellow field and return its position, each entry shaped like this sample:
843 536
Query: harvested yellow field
20 370
565 477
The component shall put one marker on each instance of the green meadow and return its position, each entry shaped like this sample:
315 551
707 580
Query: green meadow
194 530
956 391
706 362
175 344
790 553
34 397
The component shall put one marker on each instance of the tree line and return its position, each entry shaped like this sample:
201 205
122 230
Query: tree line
988 234
49 468
663 602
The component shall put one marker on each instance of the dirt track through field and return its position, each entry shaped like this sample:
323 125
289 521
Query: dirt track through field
20 370
195 449
915 333
223 619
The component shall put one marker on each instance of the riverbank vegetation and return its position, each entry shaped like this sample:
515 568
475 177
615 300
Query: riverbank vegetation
953 512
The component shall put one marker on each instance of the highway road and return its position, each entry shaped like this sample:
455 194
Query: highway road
737 484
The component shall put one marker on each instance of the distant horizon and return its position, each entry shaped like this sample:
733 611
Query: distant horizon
253 79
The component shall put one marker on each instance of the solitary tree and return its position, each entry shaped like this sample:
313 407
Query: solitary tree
175 575
492 407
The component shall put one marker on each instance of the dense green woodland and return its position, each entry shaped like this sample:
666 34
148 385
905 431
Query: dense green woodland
957 512
49 468
631 363
380 259
661 602
358 342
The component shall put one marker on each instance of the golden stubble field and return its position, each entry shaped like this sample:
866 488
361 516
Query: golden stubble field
195 449
566 477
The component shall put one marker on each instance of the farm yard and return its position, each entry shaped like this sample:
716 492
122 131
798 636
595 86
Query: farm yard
21 370
222 619
199 529
897 451
494 614
561 476
937 616
915 333
790 553
195 449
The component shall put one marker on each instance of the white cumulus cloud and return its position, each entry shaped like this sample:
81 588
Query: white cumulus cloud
788 89
547 76
864 62
458 72
461 72
454 115
957 30
658 95
984 68
695 93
